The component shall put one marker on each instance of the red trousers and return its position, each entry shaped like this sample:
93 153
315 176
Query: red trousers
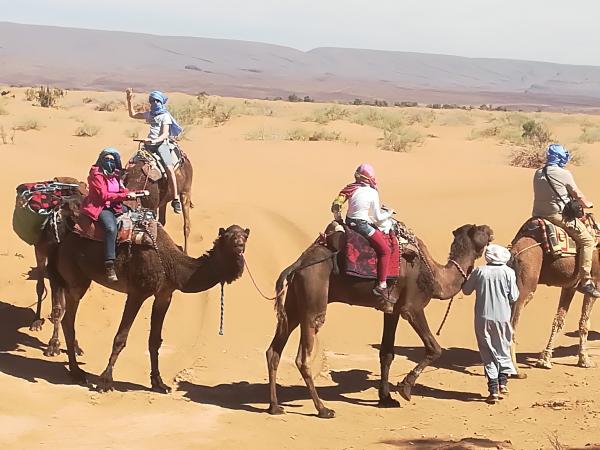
380 243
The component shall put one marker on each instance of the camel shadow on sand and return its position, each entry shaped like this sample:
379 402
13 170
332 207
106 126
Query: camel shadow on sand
241 395
14 361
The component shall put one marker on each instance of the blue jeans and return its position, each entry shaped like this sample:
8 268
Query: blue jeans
108 221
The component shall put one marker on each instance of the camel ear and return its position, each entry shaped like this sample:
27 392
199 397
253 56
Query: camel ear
472 229
221 231
247 230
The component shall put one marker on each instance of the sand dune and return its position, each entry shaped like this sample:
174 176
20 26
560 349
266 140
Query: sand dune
282 190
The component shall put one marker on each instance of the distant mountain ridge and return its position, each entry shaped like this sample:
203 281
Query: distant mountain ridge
109 60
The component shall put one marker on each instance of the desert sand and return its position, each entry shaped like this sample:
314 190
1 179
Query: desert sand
282 191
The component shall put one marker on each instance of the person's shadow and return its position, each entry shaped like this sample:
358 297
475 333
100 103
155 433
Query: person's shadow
15 363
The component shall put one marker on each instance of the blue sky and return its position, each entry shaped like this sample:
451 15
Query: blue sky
543 30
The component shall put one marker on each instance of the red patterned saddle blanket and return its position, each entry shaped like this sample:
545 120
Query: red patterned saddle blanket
358 259
130 229
554 239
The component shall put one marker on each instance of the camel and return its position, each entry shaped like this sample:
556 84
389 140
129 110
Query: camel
54 231
142 272
533 267
160 194
313 283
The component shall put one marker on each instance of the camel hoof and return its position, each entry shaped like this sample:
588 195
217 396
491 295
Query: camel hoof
585 362
78 349
543 364
159 386
388 402
79 376
276 410
53 348
326 413
36 325
404 389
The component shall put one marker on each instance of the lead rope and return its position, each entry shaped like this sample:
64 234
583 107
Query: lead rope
462 272
54 224
222 324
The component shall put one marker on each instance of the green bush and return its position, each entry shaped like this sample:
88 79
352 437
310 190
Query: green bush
399 140
536 133
301 134
110 106
590 134
377 118
328 114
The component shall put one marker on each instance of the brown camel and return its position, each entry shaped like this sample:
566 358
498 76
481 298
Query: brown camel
312 284
53 232
142 272
160 195
533 267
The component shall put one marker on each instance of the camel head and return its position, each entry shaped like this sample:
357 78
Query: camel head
470 239
229 250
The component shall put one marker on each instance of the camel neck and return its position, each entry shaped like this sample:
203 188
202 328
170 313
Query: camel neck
447 279
196 274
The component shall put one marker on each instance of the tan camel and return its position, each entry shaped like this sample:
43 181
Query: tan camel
137 179
534 267
312 284
142 272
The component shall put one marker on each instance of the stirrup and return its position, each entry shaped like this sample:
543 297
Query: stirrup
588 288
176 204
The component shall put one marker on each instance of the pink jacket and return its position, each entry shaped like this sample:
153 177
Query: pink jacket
98 195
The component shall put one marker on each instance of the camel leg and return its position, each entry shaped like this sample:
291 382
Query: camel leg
433 351
159 310
72 297
584 327
566 296
309 329
274 351
40 287
58 312
386 356
162 214
132 306
185 204
524 299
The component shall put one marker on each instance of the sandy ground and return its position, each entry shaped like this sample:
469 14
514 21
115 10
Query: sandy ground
282 190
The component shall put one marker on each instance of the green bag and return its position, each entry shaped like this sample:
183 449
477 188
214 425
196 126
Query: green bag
29 224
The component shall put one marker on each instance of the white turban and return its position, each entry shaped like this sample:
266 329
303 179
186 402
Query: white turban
496 254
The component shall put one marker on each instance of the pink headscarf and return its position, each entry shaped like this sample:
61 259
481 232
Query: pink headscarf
366 174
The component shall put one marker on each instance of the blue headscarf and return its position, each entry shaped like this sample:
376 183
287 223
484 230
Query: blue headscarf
107 166
158 107
557 155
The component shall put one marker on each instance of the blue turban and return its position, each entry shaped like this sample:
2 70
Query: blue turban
557 155
158 107
106 166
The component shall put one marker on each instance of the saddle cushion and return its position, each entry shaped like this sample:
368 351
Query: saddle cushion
128 230
358 259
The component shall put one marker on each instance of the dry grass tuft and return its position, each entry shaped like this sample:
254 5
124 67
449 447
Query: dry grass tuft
87 130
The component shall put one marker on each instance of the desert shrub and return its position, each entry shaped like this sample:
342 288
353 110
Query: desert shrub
302 134
250 108
509 128
260 135
406 104
590 134
133 133
424 118
399 139
87 100
328 114
28 124
532 157
455 118
44 96
87 130
536 133
202 109
110 106
381 119
7 136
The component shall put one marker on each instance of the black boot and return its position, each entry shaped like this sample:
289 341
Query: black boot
109 267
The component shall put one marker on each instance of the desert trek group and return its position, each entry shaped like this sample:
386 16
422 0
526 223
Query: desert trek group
557 199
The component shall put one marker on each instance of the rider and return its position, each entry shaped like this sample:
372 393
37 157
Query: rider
363 216
549 205
105 201
162 126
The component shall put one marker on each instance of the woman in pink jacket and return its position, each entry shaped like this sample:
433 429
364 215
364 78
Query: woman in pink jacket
104 202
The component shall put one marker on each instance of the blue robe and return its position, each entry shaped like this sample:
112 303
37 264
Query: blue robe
495 289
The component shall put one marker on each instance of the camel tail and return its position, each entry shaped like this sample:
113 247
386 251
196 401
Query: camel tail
285 276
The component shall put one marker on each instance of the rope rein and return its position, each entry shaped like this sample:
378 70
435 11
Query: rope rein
465 276
222 321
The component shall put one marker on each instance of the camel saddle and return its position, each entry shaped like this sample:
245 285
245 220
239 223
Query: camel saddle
358 258
133 227
154 167
554 239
